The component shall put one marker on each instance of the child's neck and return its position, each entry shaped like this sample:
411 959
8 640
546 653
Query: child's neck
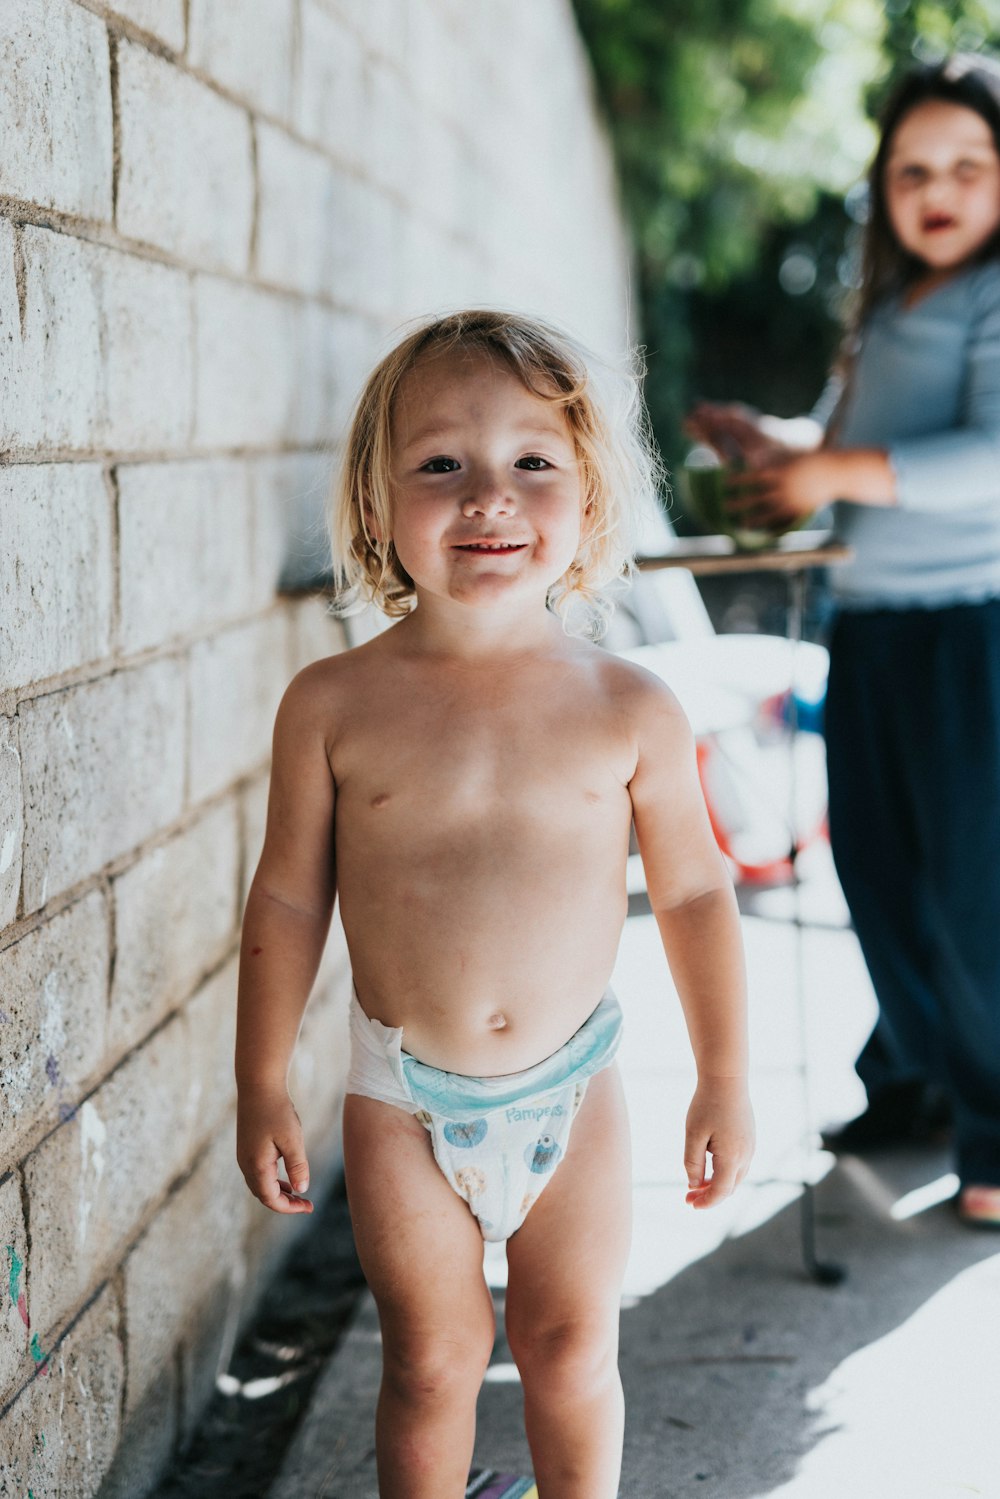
440 628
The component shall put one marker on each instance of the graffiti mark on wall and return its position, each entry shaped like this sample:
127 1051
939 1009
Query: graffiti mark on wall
17 1296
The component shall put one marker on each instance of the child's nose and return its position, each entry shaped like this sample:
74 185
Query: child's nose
938 187
488 497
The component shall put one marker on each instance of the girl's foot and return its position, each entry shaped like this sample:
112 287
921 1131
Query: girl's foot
979 1206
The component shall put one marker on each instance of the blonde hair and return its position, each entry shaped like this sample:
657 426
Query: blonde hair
604 408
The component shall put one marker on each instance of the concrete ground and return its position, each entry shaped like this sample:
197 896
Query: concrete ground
743 1377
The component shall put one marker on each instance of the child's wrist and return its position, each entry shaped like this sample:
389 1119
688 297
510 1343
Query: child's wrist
257 1084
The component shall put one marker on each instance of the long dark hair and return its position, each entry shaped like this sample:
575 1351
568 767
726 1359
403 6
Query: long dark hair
968 79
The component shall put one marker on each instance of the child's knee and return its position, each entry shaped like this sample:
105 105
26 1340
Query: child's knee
569 1359
436 1367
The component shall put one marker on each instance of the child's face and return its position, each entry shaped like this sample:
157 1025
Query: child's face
487 497
942 183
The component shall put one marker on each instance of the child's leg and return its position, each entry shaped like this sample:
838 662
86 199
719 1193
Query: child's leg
566 1265
422 1254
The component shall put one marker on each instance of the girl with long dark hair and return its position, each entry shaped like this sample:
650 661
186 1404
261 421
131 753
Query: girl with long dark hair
911 460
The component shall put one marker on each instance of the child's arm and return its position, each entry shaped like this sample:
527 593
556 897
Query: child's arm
692 898
284 929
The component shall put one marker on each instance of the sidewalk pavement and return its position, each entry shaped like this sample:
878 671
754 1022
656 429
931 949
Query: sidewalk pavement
743 1377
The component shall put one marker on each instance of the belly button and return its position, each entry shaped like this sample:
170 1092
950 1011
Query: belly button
381 799
497 1022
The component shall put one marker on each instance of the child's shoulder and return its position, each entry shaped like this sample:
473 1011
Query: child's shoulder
640 692
319 688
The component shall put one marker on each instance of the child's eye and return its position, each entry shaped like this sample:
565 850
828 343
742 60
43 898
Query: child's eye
968 171
910 176
440 466
533 463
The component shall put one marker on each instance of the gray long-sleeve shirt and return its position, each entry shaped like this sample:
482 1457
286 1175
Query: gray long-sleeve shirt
926 387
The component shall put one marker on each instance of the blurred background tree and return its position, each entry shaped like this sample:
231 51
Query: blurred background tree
743 129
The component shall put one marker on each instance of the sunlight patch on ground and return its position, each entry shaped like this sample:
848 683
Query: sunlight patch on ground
921 1199
502 1374
888 1417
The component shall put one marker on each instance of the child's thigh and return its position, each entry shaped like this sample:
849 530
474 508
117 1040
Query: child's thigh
567 1261
419 1245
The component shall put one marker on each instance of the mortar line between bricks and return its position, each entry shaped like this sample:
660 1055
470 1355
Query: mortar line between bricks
32 1144
116 123
152 1213
169 650
118 1283
125 457
20 279
54 1344
99 231
255 209
110 908
106 236
114 503
122 26
18 930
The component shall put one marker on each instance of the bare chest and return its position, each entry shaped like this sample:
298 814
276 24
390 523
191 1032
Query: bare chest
448 759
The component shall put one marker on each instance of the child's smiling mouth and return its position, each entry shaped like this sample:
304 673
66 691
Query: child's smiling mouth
936 221
490 546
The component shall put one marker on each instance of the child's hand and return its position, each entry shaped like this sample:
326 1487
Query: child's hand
268 1130
720 1121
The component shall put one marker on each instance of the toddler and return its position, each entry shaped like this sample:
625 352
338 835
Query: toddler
467 782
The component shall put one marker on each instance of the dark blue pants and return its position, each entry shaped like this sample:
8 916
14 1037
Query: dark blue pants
913 750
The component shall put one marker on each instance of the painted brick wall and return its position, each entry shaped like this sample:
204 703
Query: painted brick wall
213 213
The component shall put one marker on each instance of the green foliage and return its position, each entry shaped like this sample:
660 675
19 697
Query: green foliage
729 116
929 29
739 126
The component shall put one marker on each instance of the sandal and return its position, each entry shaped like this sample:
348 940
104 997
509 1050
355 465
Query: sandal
979 1206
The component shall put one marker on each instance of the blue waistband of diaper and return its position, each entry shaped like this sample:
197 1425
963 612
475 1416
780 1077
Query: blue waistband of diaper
452 1095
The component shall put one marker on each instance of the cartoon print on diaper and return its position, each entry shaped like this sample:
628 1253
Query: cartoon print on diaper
470 1181
466 1135
542 1155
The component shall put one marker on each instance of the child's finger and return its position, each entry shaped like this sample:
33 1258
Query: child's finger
294 1156
278 1195
293 1153
291 1201
695 1161
262 1178
727 1174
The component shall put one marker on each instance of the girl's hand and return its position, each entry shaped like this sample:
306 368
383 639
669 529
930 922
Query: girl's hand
268 1130
734 431
778 493
719 1122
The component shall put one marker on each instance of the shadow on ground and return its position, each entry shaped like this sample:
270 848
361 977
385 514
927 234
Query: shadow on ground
740 1369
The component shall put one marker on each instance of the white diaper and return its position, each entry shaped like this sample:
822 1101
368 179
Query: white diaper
497 1140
